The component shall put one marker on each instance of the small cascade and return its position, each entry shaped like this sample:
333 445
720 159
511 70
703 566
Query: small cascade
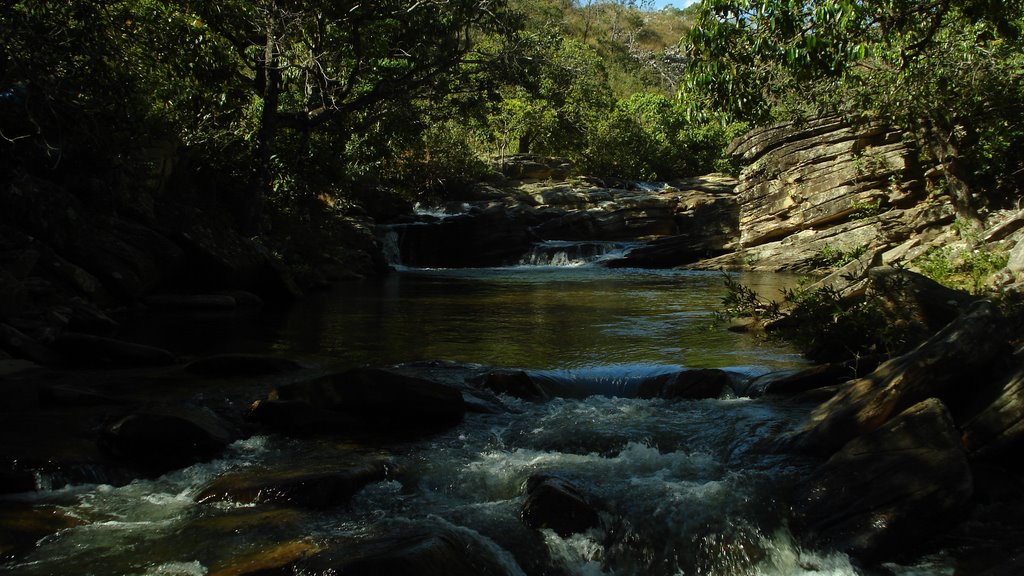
567 254
390 246
441 212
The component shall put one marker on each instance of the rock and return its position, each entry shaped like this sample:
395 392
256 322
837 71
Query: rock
241 365
166 438
490 237
273 559
517 384
789 382
688 384
413 552
191 301
130 259
799 177
21 526
98 351
996 432
302 484
556 503
362 399
963 351
889 489
1016 260
216 258
21 346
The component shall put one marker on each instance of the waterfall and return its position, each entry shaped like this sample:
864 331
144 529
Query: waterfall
567 254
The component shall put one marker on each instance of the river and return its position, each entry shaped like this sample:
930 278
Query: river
686 487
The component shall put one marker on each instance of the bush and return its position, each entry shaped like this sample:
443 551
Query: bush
647 137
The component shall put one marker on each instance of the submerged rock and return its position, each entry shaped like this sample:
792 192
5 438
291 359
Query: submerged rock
697 384
305 485
420 551
557 503
21 526
889 489
517 384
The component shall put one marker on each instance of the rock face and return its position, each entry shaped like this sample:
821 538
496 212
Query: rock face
891 488
698 214
818 194
805 177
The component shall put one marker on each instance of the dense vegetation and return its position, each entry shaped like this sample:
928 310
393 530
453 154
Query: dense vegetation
951 72
280 107
271 111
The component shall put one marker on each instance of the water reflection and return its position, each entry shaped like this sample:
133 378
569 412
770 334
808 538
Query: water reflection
530 317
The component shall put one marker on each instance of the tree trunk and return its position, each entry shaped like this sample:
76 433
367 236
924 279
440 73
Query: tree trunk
941 141
251 210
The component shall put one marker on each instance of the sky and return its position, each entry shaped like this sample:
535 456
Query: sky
659 4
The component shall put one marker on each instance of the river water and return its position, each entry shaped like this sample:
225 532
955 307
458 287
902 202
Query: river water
686 487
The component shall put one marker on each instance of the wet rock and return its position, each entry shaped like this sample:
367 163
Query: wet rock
362 399
273 559
304 485
241 365
166 438
557 503
964 351
889 489
517 384
89 350
21 525
688 384
414 552
789 382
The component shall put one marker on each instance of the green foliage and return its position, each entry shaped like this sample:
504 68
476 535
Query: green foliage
740 301
646 137
949 70
961 269
831 257
830 328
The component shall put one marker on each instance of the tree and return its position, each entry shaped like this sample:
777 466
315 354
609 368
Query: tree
950 71
321 66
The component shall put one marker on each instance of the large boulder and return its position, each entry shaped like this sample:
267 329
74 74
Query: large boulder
996 432
164 438
889 489
362 399
942 367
